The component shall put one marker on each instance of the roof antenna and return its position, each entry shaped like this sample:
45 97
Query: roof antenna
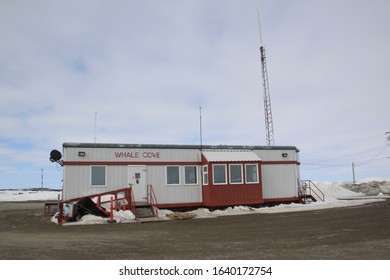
200 127
95 125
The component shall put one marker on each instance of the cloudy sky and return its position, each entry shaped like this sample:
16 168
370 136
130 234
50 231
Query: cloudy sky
145 67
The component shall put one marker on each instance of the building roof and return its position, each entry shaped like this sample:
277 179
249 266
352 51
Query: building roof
173 146
230 155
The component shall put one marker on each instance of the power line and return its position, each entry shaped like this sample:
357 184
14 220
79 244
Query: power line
359 162
349 155
375 157
320 165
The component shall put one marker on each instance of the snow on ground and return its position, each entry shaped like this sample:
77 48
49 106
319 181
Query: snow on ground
335 196
28 195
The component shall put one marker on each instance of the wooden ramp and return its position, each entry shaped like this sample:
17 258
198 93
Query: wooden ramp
181 216
149 220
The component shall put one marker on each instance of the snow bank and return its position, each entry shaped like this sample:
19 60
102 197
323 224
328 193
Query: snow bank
119 217
370 188
26 195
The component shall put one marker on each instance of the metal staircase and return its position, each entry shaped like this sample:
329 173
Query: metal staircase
308 192
146 211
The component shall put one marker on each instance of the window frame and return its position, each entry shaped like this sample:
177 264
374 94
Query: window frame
225 169
205 175
241 172
196 175
91 176
257 173
166 175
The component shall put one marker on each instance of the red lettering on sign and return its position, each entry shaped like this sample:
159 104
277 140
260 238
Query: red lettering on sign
126 154
137 154
151 154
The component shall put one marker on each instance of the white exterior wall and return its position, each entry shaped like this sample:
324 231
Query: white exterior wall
279 180
276 155
77 177
174 193
138 155
77 180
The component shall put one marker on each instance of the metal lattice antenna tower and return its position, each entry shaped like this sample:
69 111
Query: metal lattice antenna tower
269 127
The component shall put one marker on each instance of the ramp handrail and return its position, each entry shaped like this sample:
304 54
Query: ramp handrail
127 194
152 200
309 188
132 201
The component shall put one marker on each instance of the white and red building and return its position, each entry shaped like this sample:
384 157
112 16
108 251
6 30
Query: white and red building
184 176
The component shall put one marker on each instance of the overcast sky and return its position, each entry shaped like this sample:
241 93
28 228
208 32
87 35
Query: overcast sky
145 67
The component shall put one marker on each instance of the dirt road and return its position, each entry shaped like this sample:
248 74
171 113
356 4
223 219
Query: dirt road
361 232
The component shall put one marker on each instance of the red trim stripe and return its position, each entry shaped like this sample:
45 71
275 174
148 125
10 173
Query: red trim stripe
180 205
167 162
281 162
282 199
131 163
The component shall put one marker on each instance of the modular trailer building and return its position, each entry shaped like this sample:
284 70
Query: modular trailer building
184 176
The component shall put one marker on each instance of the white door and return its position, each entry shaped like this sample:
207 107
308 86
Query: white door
137 179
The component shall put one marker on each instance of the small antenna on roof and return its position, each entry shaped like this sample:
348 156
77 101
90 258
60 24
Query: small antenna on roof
95 124
200 127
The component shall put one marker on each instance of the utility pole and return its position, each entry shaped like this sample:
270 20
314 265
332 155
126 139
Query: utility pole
353 173
269 127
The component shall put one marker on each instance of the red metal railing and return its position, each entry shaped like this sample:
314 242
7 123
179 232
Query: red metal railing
118 195
114 197
152 200
132 205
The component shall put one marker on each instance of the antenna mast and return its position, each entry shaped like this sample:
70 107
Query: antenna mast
200 127
267 98
95 125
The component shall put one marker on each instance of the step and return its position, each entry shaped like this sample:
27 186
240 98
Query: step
306 199
149 220
144 212
142 204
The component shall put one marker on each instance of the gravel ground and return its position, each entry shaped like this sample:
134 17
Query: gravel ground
340 233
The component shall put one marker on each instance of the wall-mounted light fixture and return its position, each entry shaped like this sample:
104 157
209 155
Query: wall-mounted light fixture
81 154
284 155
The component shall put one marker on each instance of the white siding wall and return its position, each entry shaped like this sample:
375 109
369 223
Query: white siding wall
276 155
109 154
173 193
279 181
77 177
77 181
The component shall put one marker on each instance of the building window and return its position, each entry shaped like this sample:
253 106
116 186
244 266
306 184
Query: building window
173 175
251 173
98 176
219 174
191 175
205 175
235 173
